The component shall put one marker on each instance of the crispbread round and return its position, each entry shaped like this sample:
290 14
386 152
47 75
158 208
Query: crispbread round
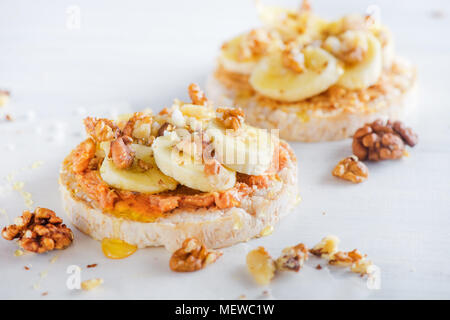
216 228
322 125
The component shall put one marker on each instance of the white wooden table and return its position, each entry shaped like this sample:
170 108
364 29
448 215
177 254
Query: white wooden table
144 54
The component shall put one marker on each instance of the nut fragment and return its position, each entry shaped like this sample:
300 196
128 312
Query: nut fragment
91 284
362 266
292 58
39 231
345 259
292 258
326 247
192 256
197 95
139 127
351 169
101 129
253 44
4 97
231 118
381 140
121 153
261 266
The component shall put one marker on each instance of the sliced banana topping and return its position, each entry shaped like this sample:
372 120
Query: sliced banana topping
143 177
188 167
248 150
273 79
365 73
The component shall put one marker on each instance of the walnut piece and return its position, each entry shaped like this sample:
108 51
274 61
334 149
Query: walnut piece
292 58
382 140
351 169
362 266
101 129
326 247
292 258
139 127
192 256
345 259
121 153
231 118
91 284
4 97
39 231
253 44
197 95
261 266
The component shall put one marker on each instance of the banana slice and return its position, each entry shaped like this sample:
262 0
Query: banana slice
188 170
150 181
367 72
230 60
291 23
384 35
272 79
249 151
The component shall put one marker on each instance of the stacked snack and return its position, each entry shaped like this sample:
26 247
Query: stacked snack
313 79
189 171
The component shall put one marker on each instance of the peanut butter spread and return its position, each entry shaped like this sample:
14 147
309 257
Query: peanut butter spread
81 175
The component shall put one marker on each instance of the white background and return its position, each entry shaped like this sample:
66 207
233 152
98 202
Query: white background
128 55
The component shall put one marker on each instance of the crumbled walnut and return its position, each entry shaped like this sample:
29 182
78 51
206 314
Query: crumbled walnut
212 167
305 6
83 155
231 118
139 127
197 95
292 58
362 266
39 231
292 258
192 256
345 259
121 153
9 118
326 247
351 169
91 284
381 140
261 266
318 267
4 97
101 129
91 265
166 126
254 43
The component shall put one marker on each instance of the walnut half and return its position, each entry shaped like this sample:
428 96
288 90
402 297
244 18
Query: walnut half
192 256
351 169
39 231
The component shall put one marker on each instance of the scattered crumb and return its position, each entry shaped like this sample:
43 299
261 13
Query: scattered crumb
44 293
43 274
36 286
8 117
18 253
26 268
53 260
4 97
91 284
37 164
266 231
319 267
242 297
91 265
323 213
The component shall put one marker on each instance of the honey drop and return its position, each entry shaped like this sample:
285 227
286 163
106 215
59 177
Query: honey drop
117 249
